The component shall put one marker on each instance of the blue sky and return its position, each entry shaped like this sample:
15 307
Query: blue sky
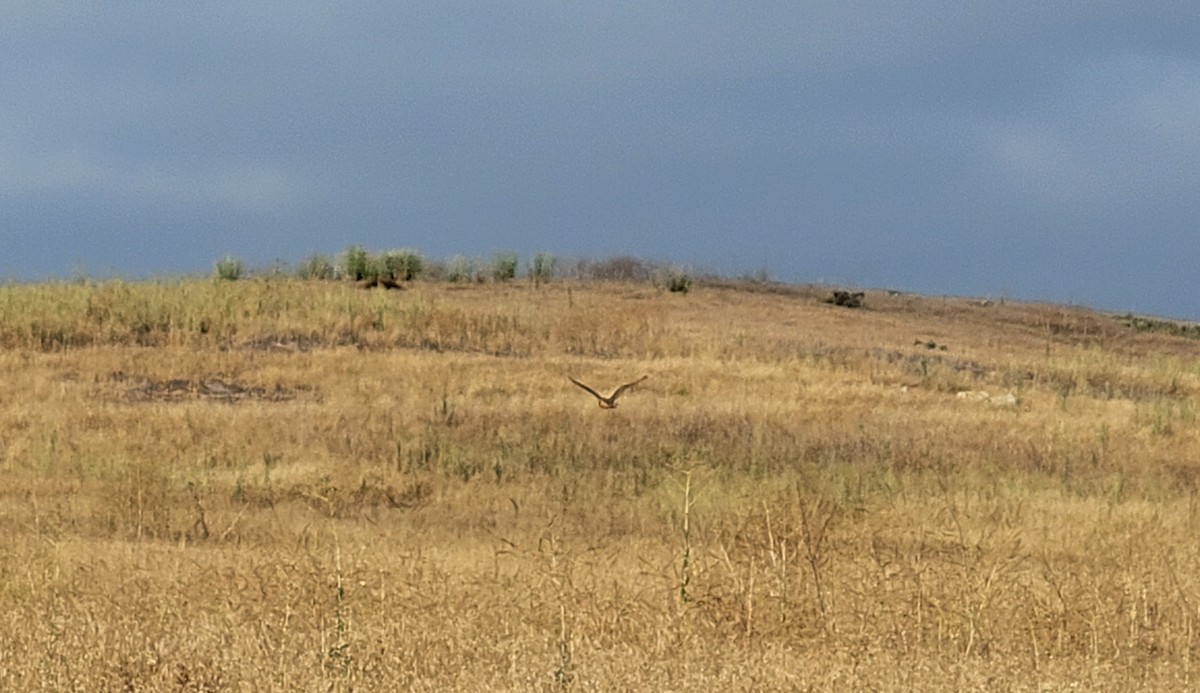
1040 150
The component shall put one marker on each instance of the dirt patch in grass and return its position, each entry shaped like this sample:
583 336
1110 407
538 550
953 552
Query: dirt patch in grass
179 389
290 343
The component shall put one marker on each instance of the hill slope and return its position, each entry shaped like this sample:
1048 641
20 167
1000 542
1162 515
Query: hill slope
294 485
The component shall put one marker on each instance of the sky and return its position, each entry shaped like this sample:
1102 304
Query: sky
1027 150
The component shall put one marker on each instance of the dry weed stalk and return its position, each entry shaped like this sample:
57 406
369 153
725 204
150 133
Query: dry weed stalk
685 530
816 516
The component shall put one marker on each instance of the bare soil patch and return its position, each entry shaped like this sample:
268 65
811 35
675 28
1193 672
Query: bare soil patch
179 389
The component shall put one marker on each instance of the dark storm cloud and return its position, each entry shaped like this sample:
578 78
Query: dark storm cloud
1044 150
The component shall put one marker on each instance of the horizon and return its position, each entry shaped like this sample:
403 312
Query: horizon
280 269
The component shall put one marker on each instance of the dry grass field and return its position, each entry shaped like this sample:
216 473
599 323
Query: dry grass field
304 486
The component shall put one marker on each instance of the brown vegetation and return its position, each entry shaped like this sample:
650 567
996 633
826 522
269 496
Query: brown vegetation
288 485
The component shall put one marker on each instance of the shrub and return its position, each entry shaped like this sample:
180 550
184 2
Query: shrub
504 266
677 280
460 269
228 268
377 267
316 267
356 263
623 268
541 268
403 265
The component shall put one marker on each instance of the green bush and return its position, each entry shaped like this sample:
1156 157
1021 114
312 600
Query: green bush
356 263
504 266
677 280
403 265
377 267
460 269
228 268
316 267
541 267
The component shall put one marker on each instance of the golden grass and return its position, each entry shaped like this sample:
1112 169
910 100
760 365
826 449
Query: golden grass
284 485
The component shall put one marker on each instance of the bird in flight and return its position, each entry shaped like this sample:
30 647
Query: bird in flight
609 402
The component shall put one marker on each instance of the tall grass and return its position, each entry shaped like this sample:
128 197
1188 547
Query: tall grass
794 498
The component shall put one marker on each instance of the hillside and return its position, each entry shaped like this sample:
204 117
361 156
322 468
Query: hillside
302 485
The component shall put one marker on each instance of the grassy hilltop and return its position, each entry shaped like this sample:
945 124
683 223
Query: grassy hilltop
277 484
